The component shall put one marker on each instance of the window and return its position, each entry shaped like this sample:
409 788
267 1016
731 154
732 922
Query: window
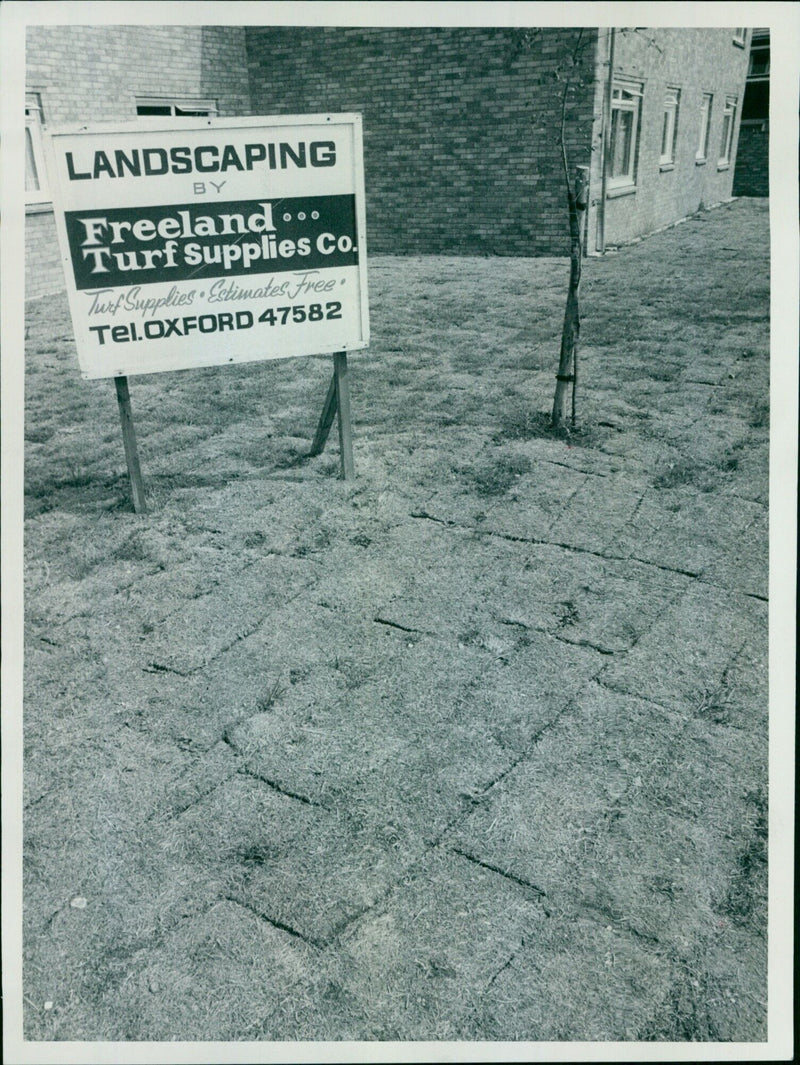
625 100
35 178
669 128
755 106
151 106
728 121
705 126
759 60
739 36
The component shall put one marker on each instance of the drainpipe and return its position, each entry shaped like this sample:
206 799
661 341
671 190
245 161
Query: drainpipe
606 143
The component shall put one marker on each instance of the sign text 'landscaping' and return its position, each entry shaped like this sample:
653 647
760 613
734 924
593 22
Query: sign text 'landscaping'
225 241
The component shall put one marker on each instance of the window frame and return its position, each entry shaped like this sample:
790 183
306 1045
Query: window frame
193 106
740 36
34 128
706 109
626 97
728 125
759 46
669 126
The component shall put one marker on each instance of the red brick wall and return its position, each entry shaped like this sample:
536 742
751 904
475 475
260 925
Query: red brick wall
752 160
460 127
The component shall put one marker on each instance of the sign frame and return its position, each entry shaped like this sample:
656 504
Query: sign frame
284 340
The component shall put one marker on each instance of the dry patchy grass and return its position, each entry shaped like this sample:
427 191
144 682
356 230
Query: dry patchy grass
471 748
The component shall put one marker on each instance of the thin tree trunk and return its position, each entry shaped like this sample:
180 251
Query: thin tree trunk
567 363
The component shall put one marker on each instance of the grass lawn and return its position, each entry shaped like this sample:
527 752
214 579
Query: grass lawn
473 747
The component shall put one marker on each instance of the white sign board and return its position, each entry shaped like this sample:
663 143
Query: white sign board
199 242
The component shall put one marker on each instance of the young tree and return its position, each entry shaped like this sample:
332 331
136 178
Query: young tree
575 74
577 191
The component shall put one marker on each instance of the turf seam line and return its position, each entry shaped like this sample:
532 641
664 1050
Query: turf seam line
528 752
566 503
672 708
244 771
587 643
632 517
697 576
575 469
280 925
502 969
180 810
429 517
749 499
346 922
669 569
552 543
502 872
157 667
599 914
402 628
245 634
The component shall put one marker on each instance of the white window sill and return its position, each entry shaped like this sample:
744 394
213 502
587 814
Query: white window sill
42 207
723 166
701 161
622 190
663 167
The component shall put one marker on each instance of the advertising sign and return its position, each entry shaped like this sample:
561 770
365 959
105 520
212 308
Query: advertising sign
199 242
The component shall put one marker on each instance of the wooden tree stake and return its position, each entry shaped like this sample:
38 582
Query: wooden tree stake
578 199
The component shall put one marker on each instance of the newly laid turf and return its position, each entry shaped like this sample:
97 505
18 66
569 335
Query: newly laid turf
474 747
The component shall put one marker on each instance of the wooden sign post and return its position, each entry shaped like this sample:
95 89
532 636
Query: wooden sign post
337 400
129 443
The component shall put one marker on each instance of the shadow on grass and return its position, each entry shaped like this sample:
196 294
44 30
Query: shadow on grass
83 488
536 425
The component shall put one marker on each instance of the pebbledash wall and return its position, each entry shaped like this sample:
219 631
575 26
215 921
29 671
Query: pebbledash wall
697 63
461 126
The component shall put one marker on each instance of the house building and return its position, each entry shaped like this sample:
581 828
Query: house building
462 126
752 167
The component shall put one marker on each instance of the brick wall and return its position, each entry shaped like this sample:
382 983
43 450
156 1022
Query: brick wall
752 160
95 73
695 61
43 270
460 127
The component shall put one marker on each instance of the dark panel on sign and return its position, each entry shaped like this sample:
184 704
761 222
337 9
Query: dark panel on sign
194 241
